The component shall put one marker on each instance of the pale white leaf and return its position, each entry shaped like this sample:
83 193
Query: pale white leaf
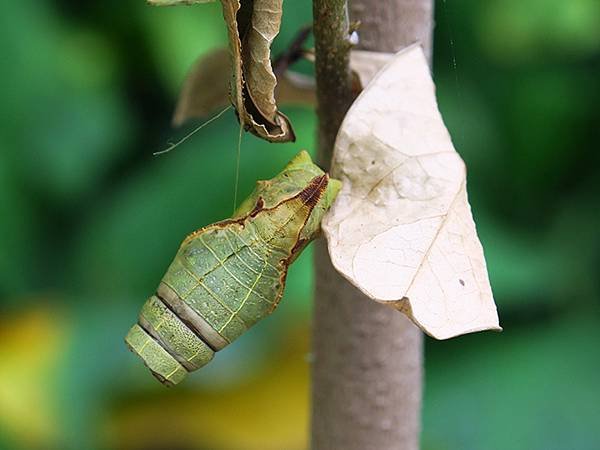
366 64
401 229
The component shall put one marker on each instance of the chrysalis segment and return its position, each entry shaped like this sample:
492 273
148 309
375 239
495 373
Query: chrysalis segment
174 335
162 365
229 275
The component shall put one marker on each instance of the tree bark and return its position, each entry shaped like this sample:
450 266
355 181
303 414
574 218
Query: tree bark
368 358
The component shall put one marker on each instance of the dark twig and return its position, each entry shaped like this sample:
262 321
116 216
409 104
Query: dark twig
293 53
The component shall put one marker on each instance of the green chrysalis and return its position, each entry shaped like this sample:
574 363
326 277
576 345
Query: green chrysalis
229 275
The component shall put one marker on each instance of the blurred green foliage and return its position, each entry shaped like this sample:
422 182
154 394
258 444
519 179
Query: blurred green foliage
89 220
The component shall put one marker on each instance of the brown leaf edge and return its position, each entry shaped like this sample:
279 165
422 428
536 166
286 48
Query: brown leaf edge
240 17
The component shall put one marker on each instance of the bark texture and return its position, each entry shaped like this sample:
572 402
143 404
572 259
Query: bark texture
368 359
390 25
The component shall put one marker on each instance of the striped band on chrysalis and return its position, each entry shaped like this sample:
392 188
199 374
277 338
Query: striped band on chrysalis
168 346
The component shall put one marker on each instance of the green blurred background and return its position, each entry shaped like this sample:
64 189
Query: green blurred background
89 220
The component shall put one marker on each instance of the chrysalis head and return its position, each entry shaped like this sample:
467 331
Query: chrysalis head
229 275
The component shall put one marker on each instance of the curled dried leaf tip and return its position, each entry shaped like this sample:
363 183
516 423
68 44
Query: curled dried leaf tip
252 25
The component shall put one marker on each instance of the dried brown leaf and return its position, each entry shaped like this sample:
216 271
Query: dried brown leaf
206 90
252 25
296 89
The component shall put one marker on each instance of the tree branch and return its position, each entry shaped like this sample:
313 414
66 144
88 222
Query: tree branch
368 358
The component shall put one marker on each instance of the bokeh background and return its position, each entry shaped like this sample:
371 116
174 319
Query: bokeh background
89 220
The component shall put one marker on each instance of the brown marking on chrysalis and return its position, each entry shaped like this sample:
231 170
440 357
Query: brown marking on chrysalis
260 205
222 224
310 196
299 246
282 279
312 193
